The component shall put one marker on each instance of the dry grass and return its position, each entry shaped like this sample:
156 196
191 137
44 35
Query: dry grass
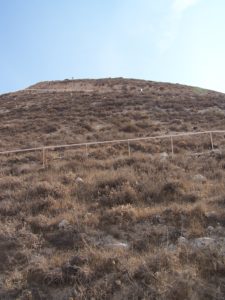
59 236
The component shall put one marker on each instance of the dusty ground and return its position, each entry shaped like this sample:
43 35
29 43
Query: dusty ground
105 225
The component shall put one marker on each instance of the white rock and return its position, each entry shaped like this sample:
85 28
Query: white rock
182 241
118 282
163 156
117 245
110 242
200 178
211 214
79 180
203 242
63 224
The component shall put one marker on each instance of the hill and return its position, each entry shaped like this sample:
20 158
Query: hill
103 109
98 223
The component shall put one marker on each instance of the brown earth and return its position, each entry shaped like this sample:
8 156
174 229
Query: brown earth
106 225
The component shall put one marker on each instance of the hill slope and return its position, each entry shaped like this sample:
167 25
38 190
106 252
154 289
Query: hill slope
101 224
103 109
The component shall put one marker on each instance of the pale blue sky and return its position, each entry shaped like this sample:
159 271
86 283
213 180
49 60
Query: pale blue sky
164 40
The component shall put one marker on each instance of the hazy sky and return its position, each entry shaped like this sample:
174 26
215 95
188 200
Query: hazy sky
164 40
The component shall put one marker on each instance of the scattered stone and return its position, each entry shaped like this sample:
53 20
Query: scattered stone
200 178
79 180
118 282
111 242
210 229
163 156
182 241
203 242
63 224
211 214
117 245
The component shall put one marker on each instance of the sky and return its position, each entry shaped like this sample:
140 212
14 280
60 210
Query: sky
178 41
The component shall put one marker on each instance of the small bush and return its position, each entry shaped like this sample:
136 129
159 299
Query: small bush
45 189
129 128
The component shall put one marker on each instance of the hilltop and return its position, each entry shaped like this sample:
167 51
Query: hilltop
97 223
82 110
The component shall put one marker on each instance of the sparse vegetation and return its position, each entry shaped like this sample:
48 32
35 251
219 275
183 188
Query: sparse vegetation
105 225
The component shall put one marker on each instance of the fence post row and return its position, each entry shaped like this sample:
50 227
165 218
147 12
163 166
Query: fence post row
171 136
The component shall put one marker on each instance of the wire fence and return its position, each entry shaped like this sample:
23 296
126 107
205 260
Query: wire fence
169 137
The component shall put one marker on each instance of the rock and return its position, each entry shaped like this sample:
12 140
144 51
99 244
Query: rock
63 224
203 242
111 242
163 156
79 180
211 214
210 229
118 282
117 245
182 241
200 178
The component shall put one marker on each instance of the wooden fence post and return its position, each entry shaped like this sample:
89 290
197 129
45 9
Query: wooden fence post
43 157
171 140
211 138
128 148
